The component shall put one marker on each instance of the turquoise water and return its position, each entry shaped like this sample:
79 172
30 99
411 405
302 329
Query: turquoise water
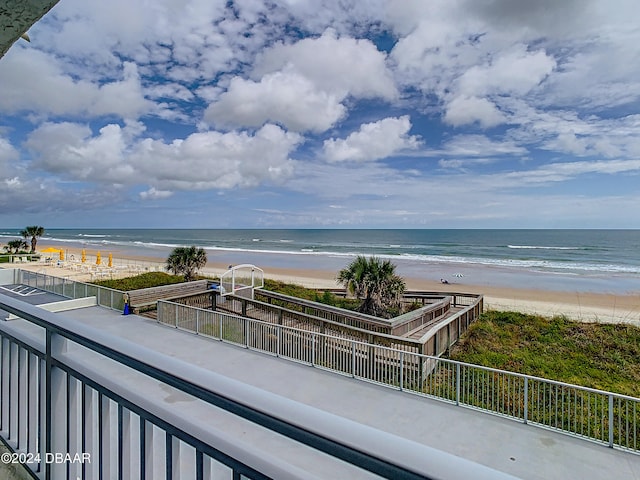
592 260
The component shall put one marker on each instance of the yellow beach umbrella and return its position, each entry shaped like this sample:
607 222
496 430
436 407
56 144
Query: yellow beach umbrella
98 259
50 250
61 255
83 258
110 260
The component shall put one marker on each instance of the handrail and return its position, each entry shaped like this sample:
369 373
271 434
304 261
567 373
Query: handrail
107 297
374 336
605 417
365 447
346 314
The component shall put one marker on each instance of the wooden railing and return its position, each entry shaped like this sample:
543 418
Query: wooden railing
147 297
445 332
282 316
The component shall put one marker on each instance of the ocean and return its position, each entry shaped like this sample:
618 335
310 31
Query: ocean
573 260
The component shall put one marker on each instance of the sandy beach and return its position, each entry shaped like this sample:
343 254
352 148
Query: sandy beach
582 306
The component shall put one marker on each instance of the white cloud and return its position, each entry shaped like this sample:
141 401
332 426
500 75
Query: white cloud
33 81
286 98
153 194
70 150
8 155
213 160
205 160
560 79
563 171
328 62
373 141
514 71
480 146
302 86
467 110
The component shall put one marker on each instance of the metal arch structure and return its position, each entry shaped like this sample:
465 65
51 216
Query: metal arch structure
241 278
17 16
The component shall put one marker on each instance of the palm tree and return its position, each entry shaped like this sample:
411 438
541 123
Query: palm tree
34 232
14 246
375 283
186 261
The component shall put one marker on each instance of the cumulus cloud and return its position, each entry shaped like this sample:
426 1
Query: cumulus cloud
71 151
373 141
34 81
328 62
286 98
214 160
466 110
111 95
302 86
204 160
8 152
515 71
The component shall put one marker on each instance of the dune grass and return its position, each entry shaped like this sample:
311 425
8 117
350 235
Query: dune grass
595 355
144 280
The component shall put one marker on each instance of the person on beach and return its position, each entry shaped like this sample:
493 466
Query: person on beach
442 280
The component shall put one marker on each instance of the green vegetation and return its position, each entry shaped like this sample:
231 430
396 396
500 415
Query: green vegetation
299 291
33 233
186 261
145 280
376 284
602 356
16 246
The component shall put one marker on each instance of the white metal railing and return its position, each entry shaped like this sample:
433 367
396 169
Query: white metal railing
604 417
99 402
107 297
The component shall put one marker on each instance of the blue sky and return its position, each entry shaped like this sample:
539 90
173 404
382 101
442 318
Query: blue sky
314 113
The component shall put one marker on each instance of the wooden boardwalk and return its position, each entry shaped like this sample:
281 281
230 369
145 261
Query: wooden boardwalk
419 332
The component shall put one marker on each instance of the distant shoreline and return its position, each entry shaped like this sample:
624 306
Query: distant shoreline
583 306
458 270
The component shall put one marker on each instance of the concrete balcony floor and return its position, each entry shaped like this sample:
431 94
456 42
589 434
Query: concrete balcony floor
500 443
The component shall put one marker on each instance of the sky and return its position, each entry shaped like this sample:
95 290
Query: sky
324 114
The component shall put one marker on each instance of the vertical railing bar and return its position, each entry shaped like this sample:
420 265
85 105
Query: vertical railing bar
401 370
48 400
142 424
353 358
611 420
588 413
459 399
199 465
526 399
120 443
168 452
83 426
9 389
29 402
18 375
100 439
2 374
68 420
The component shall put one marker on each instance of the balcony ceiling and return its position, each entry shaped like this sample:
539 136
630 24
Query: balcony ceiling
17 16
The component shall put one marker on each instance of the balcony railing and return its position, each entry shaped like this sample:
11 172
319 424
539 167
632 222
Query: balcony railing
607 418
80 403
107 297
